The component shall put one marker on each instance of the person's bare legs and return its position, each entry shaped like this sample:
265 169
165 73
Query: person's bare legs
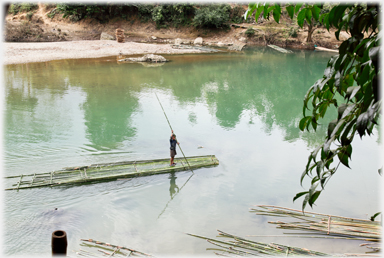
172 158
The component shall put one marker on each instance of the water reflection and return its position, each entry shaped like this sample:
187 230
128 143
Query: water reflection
173 188
260 83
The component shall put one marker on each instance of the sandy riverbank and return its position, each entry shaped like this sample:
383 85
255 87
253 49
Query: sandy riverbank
16 53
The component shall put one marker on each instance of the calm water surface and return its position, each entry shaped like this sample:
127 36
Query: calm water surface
242 107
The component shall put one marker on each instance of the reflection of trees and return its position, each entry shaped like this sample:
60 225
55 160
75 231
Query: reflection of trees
270 84
261 83
107 114
29 102
110 101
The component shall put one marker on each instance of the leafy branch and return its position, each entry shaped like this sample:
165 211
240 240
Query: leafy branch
351 77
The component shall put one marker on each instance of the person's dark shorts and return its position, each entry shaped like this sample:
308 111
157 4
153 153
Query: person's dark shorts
173 153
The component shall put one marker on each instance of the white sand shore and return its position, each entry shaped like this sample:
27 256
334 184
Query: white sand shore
16 53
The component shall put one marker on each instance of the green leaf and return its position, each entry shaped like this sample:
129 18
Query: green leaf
302 176
363 75
351 91
331 127
319 168
277 13
298 195
348 150
251 8
259 10
266 13
338 79
343 158
314 122
329 71
323 109
301 17
338 14
344 137
308 96
327 145
303 122
290 10
316 151
316 12
361 123
345 109
313 198
331 15
324 19
297 7
308 15
312 194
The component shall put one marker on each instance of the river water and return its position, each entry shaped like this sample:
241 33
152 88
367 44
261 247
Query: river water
242 107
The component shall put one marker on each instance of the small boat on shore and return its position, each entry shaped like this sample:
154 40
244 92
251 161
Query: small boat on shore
326 49
280 49
108 171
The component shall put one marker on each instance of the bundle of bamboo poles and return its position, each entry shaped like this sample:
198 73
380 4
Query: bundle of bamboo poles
326 224
120 35
244 247
107 249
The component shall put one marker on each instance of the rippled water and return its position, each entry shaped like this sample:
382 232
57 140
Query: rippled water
242 107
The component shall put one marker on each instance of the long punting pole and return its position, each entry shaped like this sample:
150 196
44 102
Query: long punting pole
172 131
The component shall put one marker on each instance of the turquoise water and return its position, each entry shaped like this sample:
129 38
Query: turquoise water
242 107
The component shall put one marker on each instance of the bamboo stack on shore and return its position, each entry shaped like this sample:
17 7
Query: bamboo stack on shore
106 249
325 224
120 35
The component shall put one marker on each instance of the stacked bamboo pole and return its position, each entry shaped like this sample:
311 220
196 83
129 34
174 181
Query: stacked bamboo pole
120 35
241 246
107 249
325 224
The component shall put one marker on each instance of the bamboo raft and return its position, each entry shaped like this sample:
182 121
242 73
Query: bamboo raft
110 171
282 50
359 229
106 249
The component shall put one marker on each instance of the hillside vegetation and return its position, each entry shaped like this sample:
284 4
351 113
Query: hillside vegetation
162 23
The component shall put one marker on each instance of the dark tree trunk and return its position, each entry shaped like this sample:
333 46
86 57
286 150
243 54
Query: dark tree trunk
311 29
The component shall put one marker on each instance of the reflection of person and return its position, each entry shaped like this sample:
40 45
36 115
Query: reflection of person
173 142
173 187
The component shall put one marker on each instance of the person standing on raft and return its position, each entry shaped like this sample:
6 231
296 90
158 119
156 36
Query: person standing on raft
173 142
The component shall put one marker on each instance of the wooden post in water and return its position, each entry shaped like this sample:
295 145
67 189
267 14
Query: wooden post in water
59 243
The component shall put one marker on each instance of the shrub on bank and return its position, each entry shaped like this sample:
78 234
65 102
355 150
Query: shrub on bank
212 16
22 7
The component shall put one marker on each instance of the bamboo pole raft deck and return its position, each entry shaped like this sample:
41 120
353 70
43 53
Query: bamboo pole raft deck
107 250
109 171
360 229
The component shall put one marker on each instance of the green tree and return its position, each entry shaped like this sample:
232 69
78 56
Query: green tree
212 16
349 83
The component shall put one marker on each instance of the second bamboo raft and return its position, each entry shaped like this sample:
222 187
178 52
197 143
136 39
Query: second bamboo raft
109 171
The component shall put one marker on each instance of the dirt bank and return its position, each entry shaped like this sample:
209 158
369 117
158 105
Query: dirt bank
60 38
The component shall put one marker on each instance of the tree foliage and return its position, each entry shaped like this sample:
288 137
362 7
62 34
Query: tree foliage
175 14
212 16
351 76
